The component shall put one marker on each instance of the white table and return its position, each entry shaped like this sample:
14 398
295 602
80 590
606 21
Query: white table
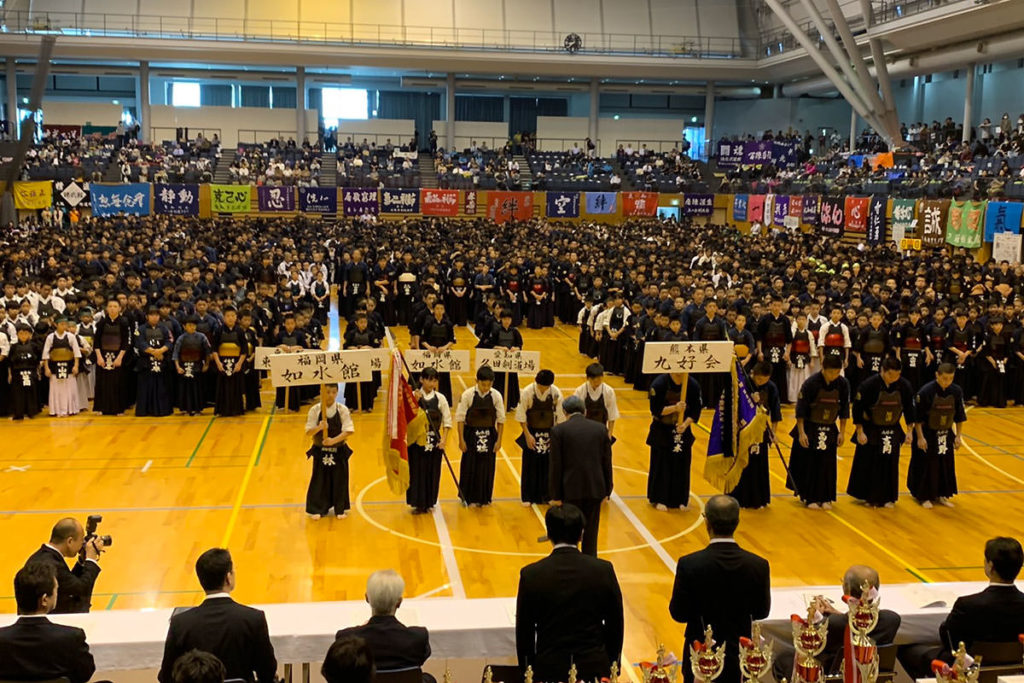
123 640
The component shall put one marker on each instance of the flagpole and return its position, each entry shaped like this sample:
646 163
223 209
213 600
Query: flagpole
775 442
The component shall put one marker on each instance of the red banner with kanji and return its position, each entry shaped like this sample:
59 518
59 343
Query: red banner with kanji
755 208
796 206
507 206
857 214
439 202
639 203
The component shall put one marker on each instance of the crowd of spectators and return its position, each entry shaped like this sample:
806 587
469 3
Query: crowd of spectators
478 168
365 164
576 169
276 163
64 156
183 161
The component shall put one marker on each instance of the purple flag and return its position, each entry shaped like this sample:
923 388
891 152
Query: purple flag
276 198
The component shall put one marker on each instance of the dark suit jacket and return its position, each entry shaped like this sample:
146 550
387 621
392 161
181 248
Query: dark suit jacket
74 586
831 657
394 645
995 615
569 609
725 587
236 634
36 649
580 466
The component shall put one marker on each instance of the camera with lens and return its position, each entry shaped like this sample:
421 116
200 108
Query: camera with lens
91 524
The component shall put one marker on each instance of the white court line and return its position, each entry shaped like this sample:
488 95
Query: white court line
445 540
145 467
519 481
645 533
433 592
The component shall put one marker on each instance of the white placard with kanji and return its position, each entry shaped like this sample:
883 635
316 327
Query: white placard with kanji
446 361
261 359
687 356
507 360
320 367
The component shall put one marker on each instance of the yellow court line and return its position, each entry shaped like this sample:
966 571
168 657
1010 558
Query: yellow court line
906 565
256 449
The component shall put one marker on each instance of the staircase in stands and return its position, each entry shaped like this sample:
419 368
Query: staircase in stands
525 177
222 176
627 182
428 176
328 169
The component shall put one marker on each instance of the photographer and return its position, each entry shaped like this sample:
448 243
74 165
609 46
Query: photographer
75 586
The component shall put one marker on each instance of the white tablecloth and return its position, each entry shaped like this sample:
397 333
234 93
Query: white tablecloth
123 640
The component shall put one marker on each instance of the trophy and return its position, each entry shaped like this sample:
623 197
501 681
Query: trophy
755 655
706 660
528 676
664 670
488 675
965 669
572 673
447 674
808 640
863 616
613 677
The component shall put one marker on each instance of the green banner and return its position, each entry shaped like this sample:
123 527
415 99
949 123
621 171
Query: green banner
904 213
965 224
230 198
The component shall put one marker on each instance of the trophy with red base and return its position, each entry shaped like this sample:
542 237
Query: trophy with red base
860 656
663 670
809 637
755 655
965 669
706 660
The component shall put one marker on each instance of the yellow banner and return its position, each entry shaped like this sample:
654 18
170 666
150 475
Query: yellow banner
36 194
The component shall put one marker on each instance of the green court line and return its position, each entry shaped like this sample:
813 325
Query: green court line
201 439
930 569
113 598
263 441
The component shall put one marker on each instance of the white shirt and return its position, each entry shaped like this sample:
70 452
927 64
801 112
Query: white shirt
442 405
72 340
214 596
584 391
466 401
313 416
810 338
534 392
823 332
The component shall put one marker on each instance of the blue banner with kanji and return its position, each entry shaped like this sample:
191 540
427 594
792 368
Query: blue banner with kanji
129 198
176 200
601 202
563 205
698 204
739 207
275 198
399 201
318 199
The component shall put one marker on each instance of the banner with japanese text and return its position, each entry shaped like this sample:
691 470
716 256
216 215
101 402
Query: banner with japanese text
796 206
275 198
33 194
230 198
1002 217
904 218
176 200
563 205
399 201
471 202
833 216
129 198
783 153
318 200
876 220
933 216
730 154
359 201
780 210
700 204
757 152
601 202
739 207
964 226
639 203
507 206
811 204
856 209
755 208
439 202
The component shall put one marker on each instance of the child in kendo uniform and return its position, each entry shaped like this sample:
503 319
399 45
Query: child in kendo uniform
328 485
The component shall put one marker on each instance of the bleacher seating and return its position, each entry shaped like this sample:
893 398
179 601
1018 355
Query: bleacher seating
570 172
169 162
366 165
65 158
274 163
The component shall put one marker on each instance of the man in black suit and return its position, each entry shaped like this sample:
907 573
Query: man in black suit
722 586
76 585
884 632
580 467
995 615
395 646
569 606
33 648
235 634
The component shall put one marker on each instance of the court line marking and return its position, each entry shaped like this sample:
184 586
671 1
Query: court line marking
253 459
432 592
145 468
519 481
986 461
646 534
201 439
448 554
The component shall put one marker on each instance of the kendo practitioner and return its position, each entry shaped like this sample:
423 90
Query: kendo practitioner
599 403
328 485
357 278
743 342
540 408
479 421
802 354
873 344
8 335
912 348
753 489
191 357
505 336
586 339
438 336
774 335
538 298
320 292
711 327
823 399
615 325
113 342
510 286
406 292
208 325
960 350
458 295
228 356
361 395
153 348
253 377
671 439
24 361
834 337
61 359
940 414
384 289
425 460
881 400
290 339
994 363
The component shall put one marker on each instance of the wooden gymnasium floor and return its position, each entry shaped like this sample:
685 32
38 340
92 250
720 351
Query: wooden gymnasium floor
170 488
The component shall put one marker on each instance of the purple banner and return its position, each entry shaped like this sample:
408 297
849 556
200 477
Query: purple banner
698 204
176 200
781 209
783 153
730 154
318 199
276 198
757 152
810 212
360 201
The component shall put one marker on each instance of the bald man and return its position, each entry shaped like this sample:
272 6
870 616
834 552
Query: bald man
75 585
831 658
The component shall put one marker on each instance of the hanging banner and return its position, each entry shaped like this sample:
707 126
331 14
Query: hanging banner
639 203
1002 217
563 205
833 216
856 209
508 206
275 198
230 198
783 153
399 201
755 208
811 204
35 194
757 152
359 201
796 206
904 218
934 213
440 202
129 198
730 154
601 202
876 220
318 200
1006 247
780 210
471 200
739 207
964 226
700 204
73 194
176 200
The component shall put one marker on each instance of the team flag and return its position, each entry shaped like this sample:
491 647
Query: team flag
738 426
406 424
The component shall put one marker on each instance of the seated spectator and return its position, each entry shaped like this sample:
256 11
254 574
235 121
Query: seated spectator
395 647
348 661
236 634
35 649
196 666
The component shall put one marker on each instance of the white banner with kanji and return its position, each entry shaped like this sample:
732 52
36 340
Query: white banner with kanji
687 356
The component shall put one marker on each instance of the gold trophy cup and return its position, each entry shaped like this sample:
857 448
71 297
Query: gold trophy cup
863 616
755 655
808 640
706 660
965 669
664 670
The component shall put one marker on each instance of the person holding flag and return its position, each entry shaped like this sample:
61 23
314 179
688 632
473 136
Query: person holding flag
406 425
737 428
676 403
480 420
330 425
754 490
425 459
